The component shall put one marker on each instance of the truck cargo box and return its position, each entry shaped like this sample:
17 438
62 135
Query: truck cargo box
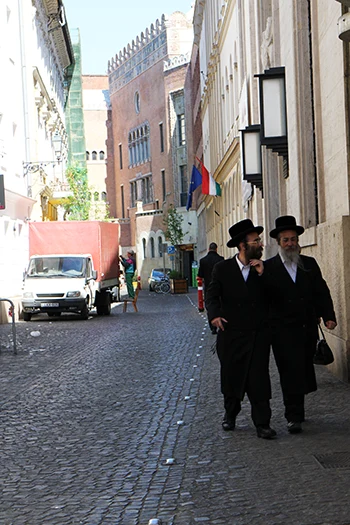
98 238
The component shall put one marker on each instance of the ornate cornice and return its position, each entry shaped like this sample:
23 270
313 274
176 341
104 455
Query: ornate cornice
137 45
176 62
52 21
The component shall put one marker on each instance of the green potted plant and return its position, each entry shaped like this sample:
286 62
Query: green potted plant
174 234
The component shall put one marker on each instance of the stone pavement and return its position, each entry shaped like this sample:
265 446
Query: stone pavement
117 421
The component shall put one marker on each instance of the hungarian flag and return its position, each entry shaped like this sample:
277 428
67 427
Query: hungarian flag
209 186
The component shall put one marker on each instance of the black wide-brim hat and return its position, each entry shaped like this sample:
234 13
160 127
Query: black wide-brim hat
286 222
239 230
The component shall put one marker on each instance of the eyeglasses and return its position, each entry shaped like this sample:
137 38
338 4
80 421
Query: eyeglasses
287 239
256 241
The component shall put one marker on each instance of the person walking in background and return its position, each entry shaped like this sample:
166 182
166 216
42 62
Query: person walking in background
206 265
238 308
133 258
299 298
129 267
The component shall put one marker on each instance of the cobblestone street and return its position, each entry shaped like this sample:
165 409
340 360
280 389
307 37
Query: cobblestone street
117 421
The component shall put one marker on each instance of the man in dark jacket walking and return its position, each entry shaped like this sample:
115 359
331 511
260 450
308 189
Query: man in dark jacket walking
237 306
206 265
299 298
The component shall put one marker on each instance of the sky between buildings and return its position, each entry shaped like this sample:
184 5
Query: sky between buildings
107 26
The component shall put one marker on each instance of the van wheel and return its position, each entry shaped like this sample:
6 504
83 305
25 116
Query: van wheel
27 316
103 303
84 314
107 305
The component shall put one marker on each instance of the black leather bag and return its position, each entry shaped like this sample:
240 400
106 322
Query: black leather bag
323 354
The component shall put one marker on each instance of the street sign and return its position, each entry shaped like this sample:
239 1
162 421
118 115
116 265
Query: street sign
171 250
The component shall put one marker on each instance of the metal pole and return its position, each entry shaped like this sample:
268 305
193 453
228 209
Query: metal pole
164 248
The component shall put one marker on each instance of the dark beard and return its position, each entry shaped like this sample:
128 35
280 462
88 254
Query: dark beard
253 252
292 255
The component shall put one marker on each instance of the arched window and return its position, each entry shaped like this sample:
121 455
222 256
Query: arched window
152 247
102 155
138 145
88 155
144 248
96 196
94 155
160 246
103 196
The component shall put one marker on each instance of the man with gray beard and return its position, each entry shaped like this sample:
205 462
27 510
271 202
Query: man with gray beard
299 298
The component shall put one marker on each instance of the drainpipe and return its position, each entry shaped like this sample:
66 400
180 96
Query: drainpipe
24 93
346 61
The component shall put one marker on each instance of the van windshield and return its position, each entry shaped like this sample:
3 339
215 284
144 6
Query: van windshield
56 267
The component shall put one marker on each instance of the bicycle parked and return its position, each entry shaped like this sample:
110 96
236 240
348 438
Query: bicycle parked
162 286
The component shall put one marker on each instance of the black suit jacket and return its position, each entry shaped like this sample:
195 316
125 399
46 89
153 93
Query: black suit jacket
242 303
206 265
244 346
295 308
302 302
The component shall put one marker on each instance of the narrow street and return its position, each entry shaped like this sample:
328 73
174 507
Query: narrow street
117 421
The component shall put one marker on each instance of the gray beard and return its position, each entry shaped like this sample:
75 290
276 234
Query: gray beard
292 256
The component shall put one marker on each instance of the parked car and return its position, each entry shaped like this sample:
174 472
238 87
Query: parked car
156 275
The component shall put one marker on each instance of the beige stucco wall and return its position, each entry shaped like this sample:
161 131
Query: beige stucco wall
330 116
316 190
96 104
328 240
329 244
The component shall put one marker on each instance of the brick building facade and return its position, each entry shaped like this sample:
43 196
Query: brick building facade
149 136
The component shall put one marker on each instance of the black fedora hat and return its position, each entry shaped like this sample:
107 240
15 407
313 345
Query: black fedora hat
239 230
286 222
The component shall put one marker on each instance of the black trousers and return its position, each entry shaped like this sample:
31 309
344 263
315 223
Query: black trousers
294 407
260 410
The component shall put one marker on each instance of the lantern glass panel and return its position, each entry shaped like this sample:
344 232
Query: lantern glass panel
274 105
252 153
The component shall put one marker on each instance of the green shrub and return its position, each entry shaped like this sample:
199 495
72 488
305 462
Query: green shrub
174 274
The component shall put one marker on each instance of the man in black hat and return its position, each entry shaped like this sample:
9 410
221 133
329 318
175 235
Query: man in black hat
299 298
206 265
237 307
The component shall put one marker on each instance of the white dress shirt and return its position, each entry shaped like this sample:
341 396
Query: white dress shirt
244 269
290 266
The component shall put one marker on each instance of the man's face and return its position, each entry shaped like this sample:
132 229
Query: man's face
253 246
288 241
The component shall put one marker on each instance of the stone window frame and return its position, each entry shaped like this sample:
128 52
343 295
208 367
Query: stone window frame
181 129
139 145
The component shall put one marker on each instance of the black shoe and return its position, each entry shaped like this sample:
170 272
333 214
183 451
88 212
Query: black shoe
294 427
228 424
265 432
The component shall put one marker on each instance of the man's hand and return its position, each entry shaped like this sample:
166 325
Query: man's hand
258 265
330 325
218 323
